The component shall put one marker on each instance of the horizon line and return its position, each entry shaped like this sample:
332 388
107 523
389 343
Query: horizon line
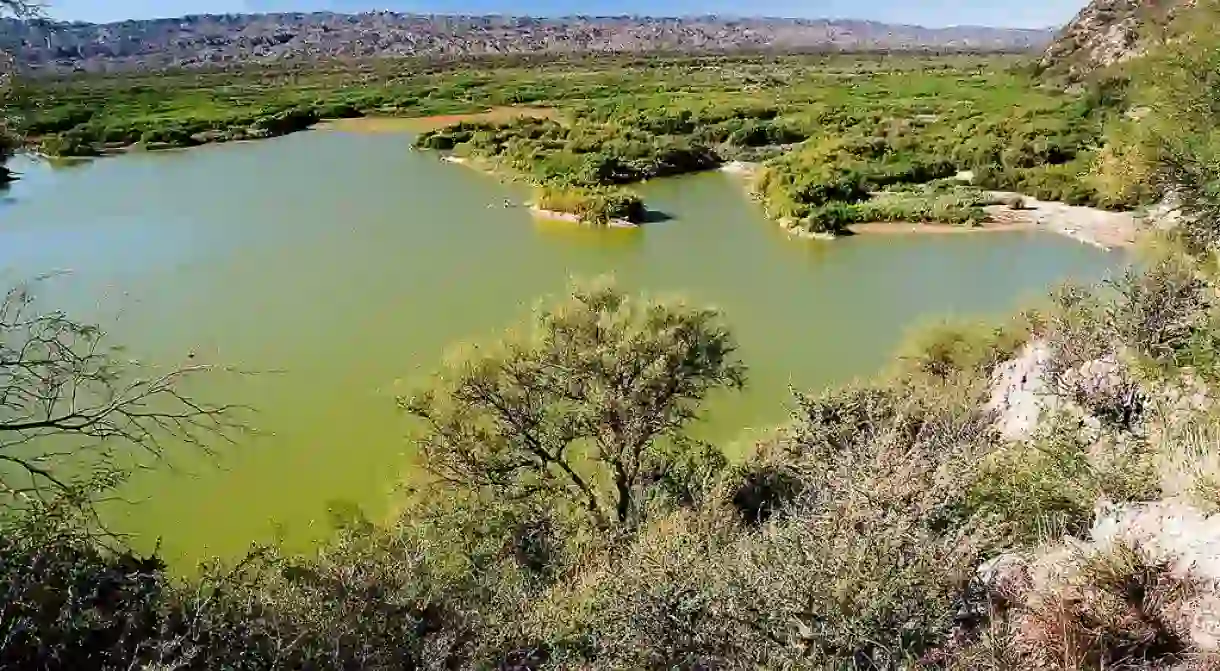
553 17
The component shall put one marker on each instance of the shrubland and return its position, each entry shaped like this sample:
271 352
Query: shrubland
1038 493
833 133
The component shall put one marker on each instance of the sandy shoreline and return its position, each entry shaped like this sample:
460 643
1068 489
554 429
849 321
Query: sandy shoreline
1099 228
575 219
741 168
419 124
884 228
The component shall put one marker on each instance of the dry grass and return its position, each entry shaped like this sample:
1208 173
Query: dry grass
376 124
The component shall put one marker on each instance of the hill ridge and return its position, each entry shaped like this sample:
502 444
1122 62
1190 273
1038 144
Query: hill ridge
220 39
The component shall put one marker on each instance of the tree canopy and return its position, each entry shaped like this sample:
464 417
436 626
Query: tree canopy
589 403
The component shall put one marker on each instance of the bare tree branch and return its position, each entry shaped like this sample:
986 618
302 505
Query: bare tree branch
71 407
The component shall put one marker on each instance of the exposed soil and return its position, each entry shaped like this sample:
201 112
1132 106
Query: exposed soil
375 124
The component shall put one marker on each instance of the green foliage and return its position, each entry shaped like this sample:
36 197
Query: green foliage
1178 85
949 351
583 406
1052 486
1165 317
834 127
862 566
594 205
931 203
1041 148
1065 182
584 154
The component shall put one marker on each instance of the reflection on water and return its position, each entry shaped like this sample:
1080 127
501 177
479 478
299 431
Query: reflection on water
578 234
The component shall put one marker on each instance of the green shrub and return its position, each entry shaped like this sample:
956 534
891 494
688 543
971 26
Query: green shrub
596 205
949 351
72 143
832 218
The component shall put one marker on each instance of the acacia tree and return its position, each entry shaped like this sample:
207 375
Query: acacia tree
589 403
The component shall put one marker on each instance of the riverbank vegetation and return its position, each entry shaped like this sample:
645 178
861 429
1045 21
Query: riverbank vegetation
830 131
596 205
1040 493
840 147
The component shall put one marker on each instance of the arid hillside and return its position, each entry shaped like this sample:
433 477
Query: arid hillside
226 39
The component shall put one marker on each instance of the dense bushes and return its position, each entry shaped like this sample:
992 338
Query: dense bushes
595 205
575 167
888 525
824 198
97 133
580 155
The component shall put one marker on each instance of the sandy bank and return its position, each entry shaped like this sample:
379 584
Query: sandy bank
421 124
742 168
1106 230
476 164
884 228
575 219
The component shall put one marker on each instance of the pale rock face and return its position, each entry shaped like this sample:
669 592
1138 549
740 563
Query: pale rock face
1165 215
1021 393
1181 537
1174 535
1105 33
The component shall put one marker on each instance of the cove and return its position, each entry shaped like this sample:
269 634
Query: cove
331 269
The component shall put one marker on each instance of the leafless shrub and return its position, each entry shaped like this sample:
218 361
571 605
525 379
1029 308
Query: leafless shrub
71 407
1104 609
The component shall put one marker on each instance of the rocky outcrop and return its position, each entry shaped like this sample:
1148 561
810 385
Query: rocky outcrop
1149 571
227 39
1107 32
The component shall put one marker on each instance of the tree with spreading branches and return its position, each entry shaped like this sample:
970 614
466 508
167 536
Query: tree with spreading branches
73 411
591 404
21 8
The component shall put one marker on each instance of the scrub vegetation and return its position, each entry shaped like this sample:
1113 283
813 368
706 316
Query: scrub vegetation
914 521
835 134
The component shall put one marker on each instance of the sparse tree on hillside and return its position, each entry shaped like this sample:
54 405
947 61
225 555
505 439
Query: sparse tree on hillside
21 8
590 404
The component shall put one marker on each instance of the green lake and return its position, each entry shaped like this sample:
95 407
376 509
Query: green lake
333 268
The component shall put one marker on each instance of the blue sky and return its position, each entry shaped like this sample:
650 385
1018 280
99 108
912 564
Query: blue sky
1010 13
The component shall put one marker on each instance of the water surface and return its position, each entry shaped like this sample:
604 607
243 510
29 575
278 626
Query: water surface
341 265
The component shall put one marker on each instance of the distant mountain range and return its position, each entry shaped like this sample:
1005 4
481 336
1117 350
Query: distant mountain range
194 41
